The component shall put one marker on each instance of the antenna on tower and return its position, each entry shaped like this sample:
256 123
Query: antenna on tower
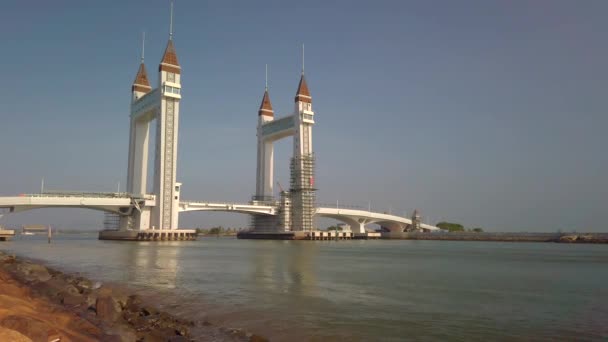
266 76
302 58
143 45
171 23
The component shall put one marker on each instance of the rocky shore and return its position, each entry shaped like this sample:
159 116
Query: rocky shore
38 303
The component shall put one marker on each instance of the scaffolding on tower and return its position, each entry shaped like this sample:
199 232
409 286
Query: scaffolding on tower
111 221
303 193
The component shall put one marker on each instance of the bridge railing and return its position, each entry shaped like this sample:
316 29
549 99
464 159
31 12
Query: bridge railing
340 206
82 194
225 203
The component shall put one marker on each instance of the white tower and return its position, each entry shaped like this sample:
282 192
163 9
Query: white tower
160 104
416 220
139 134
302 142
139 137
302 190
265 167
165 213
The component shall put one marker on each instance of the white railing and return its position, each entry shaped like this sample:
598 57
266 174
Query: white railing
86 194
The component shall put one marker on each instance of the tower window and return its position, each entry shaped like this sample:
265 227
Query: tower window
173 90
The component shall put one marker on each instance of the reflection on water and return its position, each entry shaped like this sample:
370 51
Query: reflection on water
287 268
160 259
357 290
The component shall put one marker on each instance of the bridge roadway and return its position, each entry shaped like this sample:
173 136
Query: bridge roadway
357 219
119 203
124 204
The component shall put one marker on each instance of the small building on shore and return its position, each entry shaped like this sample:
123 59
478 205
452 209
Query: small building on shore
6 234
34 229
343 227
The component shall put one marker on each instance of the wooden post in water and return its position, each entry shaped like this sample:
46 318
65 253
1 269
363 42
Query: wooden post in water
50 234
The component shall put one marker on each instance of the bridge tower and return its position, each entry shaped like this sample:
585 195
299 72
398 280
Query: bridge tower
139 138
165 213
265 166
302 190
416 220
160 104
301 196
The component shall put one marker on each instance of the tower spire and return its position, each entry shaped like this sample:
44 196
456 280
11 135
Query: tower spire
266 105
266 84
171 23
143 45
169 62
303 94
141 83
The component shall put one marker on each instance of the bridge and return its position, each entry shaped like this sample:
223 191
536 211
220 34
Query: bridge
125 204
118 203
243 208
139 212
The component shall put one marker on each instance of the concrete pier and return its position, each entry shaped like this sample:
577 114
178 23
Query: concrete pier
6 234
332 235
149 235
317 235
367 236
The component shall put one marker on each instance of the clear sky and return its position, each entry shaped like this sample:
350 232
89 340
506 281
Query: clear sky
487 113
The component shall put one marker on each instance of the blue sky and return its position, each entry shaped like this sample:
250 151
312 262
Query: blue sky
487 113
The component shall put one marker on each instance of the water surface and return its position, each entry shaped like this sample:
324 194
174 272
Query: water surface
357 290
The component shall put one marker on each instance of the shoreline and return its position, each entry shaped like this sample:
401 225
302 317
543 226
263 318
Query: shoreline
567 238
41 303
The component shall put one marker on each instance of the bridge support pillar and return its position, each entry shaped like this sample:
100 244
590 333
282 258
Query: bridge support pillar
138 220
395 228
360 228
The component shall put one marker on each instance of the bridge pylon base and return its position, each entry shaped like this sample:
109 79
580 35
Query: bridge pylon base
149 235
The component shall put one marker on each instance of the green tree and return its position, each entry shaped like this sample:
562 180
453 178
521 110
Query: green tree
216 230
450 226
477 230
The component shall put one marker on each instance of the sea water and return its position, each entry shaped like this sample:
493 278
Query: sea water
387 290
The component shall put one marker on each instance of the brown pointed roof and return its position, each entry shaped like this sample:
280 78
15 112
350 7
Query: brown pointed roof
141 82
169 62
266 105
170 57
303 93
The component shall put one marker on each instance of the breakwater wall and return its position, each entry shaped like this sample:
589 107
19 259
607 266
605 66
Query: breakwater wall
503 237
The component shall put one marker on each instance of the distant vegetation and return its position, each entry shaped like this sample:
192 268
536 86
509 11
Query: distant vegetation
456 227
219 230
330 228
452 227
